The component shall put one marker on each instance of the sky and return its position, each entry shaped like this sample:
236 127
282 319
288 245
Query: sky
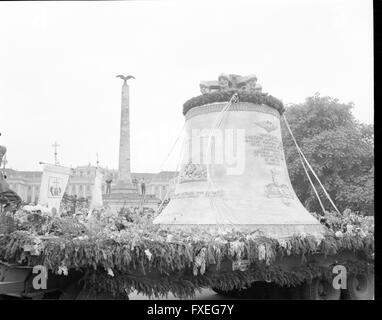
59 61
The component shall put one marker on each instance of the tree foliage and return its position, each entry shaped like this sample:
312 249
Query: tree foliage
339 148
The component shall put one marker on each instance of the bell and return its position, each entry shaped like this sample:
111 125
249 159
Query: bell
233 174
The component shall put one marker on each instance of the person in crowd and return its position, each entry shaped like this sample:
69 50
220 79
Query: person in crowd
135 183
108 181
143 187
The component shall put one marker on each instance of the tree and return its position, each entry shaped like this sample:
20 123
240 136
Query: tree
338 147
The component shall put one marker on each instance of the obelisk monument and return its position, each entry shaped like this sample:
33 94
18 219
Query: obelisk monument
124 183
124 193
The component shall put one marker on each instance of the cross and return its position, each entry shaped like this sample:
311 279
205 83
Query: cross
55 145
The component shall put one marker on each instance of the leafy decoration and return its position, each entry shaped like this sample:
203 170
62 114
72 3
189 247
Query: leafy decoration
225 96
155 260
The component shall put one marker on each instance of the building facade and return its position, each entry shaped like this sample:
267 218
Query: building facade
27 183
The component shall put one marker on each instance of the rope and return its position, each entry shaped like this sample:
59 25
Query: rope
310 167
176 171
233 99
164 161
218 121
210 184
172 148
311 182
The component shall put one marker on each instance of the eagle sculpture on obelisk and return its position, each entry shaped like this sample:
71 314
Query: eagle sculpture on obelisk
125 78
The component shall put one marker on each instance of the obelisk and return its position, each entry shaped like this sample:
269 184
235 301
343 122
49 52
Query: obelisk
124 193
124 183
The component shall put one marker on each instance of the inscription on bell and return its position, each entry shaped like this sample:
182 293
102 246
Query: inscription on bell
267 147
198 194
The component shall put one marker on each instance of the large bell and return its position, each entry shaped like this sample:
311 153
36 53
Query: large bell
233 174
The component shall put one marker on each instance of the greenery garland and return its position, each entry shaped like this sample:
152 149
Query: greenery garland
225 96
125 264
154 260
132 254
186 285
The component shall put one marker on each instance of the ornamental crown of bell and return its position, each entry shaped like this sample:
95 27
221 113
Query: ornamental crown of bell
227 82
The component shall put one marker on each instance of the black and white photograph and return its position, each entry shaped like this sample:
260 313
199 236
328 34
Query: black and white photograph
192 154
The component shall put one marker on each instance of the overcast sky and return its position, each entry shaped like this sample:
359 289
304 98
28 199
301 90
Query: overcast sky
58 62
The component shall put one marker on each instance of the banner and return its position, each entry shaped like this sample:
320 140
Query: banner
96 202
53 185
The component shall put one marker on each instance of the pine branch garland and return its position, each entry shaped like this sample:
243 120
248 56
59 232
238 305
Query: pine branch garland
154 261
225 96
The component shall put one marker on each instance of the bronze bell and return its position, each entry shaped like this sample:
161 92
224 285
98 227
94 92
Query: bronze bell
233 174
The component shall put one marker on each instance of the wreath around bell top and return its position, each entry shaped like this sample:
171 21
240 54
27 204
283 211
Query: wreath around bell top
225 96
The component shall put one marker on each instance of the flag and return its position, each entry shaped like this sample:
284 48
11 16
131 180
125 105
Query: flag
96 202
53 185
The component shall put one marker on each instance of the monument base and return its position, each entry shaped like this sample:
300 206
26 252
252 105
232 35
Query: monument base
125 188
122 198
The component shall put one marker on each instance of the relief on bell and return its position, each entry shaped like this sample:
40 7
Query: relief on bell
267 125
193 172
277 189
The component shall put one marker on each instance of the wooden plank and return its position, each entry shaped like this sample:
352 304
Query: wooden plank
13 274
11 287
14 265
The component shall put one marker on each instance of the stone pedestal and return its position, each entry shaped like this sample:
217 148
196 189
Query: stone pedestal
119 200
